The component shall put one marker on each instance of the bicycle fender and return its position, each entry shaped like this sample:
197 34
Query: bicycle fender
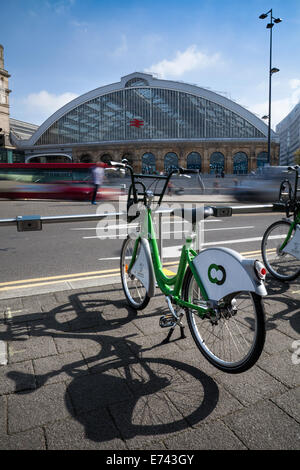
293 246
224 271
143 268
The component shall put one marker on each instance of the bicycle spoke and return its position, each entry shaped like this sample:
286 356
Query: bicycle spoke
226 334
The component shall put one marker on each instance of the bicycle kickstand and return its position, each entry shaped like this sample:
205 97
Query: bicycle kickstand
171 320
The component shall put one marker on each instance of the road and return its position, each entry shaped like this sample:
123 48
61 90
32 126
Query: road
77 252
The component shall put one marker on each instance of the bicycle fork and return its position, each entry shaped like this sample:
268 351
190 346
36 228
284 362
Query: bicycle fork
171 320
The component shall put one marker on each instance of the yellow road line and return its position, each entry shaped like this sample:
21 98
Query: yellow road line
256 251
45 281
167 272
62 276
53 282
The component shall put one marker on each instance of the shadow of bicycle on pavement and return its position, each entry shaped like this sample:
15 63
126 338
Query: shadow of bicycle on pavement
114 390
282 303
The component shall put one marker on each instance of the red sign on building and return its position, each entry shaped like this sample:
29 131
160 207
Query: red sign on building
137 123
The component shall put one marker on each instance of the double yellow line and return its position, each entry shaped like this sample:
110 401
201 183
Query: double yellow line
45 281
40 281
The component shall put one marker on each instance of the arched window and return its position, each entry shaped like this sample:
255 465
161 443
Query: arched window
86 158
148 163
240 163
262 159
137 81
128 157
106 158
194 161
216 163
170 162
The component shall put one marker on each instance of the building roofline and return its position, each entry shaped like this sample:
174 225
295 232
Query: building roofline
153 82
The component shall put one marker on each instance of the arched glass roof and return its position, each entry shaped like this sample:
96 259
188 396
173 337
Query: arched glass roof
141 107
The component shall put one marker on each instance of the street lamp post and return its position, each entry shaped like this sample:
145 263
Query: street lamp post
271 71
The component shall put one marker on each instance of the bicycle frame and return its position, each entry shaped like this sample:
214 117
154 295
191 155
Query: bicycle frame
292 227
295 208
170 286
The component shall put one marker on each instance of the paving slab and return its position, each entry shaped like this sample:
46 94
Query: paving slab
264 426
86 372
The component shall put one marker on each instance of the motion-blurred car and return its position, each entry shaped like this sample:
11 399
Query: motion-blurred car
64 191
263 185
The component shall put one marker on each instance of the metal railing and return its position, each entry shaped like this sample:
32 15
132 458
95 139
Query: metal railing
36 222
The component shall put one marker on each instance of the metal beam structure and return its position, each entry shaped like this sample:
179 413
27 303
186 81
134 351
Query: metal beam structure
23 222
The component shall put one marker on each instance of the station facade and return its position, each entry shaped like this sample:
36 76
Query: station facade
157 125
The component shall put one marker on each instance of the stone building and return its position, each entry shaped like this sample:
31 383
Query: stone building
4 104
155 124
289 134
9 153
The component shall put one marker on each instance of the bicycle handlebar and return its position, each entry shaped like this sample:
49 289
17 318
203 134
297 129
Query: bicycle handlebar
125 165
293 168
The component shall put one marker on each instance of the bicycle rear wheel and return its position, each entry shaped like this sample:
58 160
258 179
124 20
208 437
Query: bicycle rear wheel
232 337
282 266
134 290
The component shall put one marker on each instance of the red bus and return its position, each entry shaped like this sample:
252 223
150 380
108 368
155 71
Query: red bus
52 181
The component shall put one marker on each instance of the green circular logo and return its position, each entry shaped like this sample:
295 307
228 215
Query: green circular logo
216 274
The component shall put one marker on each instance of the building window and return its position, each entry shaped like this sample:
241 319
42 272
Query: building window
240 163
148 164
86 158
170 162
216 165
106 158
262 159
136 82
194 161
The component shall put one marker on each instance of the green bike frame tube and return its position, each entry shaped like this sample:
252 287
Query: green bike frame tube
292 227
164 282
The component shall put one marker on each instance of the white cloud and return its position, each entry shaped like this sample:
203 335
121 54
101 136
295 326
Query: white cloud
294 83
60 7
185 61
280 107
39 106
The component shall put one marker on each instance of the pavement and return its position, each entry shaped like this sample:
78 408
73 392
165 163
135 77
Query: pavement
81 370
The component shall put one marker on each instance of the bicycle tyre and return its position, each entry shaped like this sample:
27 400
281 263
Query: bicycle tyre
283 267
134 290
243 331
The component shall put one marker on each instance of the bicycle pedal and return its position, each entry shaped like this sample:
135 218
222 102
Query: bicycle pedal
167 321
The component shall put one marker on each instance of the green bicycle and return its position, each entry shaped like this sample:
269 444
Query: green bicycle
281 241
219 291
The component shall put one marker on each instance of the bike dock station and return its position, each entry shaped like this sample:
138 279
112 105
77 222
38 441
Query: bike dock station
82 370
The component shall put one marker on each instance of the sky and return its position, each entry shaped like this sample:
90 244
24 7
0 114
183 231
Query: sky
56 50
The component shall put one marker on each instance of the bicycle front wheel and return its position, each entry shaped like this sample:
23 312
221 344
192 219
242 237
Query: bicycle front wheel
282 266
232 336
134 290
